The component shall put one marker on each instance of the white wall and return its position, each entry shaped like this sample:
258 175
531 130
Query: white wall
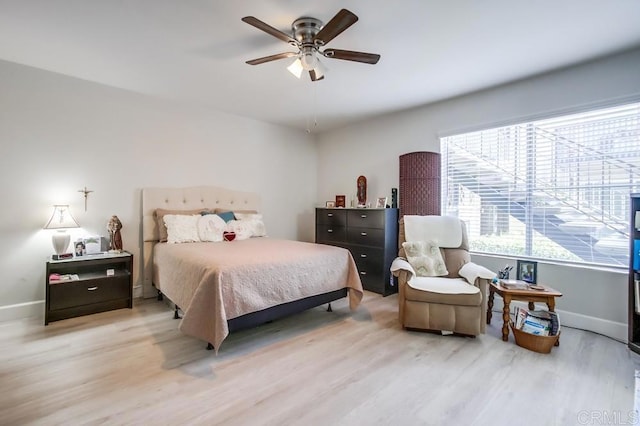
372 148
59 134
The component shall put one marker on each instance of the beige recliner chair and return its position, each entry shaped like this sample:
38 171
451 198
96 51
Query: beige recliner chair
451 300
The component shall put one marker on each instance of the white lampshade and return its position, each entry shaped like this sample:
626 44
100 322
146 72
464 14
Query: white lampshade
296 68
308 60
299 65
61 219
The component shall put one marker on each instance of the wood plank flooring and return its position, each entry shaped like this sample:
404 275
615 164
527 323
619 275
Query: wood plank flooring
316 368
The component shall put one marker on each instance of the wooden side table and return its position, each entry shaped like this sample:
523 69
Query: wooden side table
548 296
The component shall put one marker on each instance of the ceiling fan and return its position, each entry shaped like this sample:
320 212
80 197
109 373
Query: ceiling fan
309 35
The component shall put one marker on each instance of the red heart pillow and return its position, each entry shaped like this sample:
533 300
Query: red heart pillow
228 236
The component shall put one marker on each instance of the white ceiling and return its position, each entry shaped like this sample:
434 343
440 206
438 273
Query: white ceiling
195 50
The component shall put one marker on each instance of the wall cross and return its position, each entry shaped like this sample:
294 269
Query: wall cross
86 193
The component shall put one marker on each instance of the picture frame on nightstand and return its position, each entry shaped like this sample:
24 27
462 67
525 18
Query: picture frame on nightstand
93 244
79 248
330 204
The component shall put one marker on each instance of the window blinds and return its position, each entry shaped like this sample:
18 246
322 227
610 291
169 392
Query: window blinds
550 189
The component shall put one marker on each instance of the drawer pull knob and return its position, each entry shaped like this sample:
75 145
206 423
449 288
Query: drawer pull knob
363 255
364 234
364 216
330 214
92 288
363 273
329 230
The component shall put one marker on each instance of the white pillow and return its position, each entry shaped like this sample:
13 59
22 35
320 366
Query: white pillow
425 258
255 220
181 228
242 229
210 227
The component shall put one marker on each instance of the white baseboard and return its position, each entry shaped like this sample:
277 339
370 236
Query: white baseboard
615 330
137 291
22 310
36 309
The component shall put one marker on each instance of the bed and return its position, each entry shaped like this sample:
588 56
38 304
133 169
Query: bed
226 286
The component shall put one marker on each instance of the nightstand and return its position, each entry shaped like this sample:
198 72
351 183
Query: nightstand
101 282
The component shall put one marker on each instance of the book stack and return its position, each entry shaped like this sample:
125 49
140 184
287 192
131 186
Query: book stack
515 284
64 277
539 323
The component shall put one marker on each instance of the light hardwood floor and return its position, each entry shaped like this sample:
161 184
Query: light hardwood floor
316 368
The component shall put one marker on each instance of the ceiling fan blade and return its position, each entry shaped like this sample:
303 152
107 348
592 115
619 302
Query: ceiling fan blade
252 20
314 77
343 20
350 55
270 58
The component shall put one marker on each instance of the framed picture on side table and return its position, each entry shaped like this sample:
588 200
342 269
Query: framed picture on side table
527 271
330 204
341 200
381 203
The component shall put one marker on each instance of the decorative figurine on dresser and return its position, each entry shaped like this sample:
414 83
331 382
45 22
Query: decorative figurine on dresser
371 235
362 191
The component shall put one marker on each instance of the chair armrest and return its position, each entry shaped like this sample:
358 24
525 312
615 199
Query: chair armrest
471 272
480 277
400 265
403 270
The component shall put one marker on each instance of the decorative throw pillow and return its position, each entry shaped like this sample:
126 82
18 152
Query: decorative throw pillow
226 216
243 230
425 258
160 214
182 228
210 227
255 220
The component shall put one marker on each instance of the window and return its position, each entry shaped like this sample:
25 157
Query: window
550 189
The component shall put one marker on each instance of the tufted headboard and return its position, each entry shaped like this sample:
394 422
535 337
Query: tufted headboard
191 198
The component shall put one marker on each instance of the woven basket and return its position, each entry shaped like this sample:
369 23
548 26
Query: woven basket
541 344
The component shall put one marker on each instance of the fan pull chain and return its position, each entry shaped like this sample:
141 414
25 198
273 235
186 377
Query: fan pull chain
315 108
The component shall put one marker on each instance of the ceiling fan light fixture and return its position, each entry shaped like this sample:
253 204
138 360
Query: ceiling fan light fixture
308 35
320 69
308 59
296 68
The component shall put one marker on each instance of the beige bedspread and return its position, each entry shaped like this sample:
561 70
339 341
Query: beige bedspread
214 282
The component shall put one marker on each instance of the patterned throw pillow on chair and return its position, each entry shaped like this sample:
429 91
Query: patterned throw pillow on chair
425 258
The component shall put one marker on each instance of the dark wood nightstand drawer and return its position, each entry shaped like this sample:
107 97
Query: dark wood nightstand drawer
331 234
67 294
332 217
366 218
366 236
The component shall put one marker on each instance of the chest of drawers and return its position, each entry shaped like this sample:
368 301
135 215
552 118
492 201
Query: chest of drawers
371 235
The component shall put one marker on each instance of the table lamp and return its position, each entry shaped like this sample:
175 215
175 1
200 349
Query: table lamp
61 220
